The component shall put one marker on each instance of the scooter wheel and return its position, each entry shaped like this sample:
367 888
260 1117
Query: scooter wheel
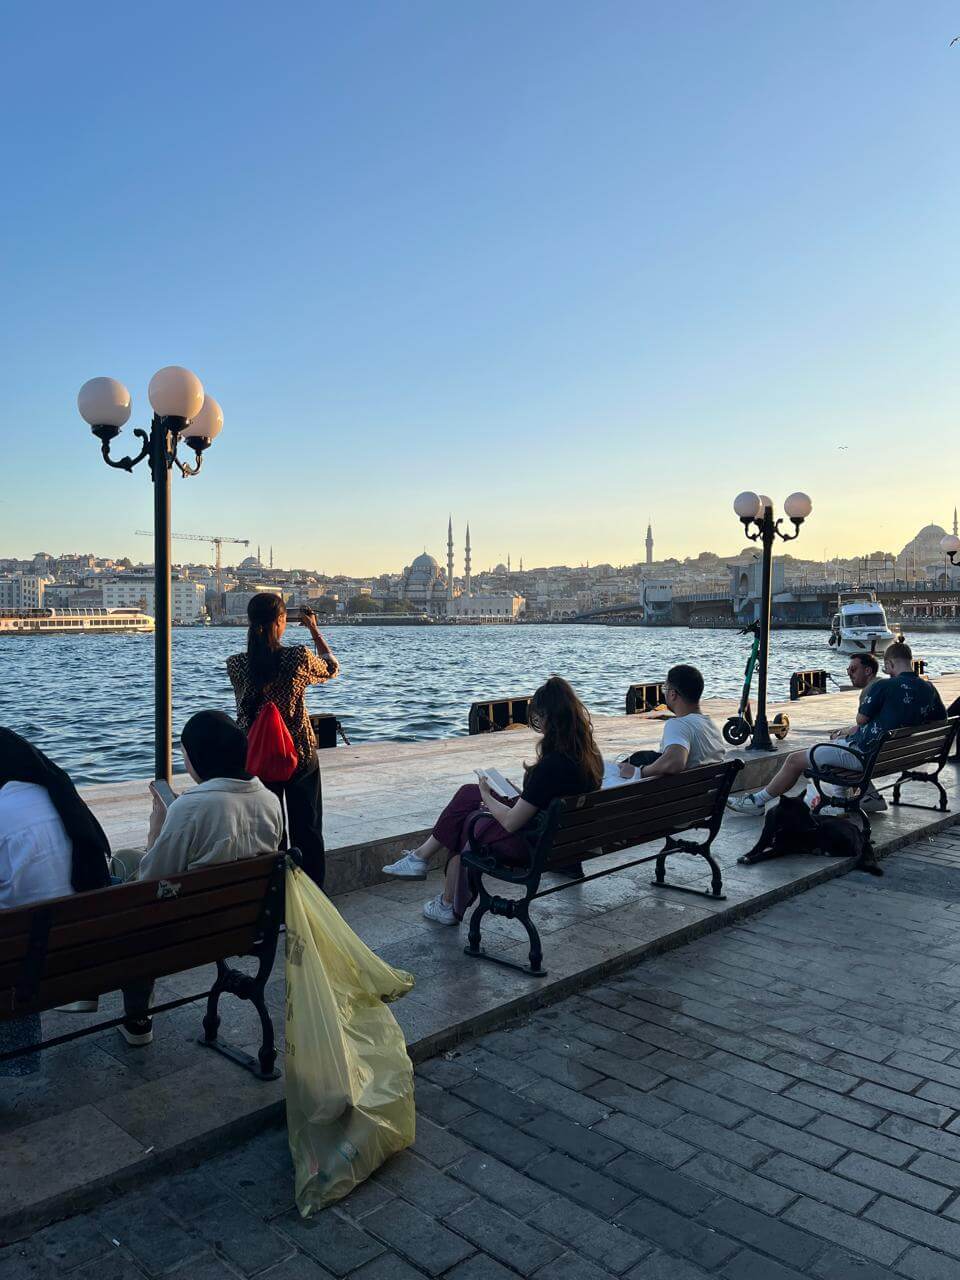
780 726
736 731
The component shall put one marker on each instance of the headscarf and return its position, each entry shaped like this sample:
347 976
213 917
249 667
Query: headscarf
216 745
20 761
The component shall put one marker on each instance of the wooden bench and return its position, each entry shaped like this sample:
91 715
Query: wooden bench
916 753
578 828
87 944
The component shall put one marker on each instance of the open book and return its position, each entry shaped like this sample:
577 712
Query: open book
498 783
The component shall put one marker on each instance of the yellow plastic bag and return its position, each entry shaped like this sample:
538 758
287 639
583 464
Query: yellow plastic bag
349 1081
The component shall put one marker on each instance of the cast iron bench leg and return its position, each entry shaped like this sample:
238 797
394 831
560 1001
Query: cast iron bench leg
511 909
247 988
675 846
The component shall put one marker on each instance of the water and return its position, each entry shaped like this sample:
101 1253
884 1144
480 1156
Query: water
88 700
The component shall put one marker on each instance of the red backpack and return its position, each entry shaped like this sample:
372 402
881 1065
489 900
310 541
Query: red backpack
271 755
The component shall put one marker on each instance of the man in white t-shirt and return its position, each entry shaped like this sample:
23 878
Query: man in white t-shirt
689 739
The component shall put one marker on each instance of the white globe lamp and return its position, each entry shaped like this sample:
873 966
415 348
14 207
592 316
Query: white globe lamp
205 426
175 392
104 402
950 545
798 506
747 505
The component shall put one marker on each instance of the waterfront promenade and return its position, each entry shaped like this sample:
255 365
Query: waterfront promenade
103 1115
780 1099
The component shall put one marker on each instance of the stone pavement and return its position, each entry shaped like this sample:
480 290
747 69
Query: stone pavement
102 1115
778 1099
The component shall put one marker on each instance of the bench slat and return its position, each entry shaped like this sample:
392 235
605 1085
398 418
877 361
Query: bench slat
657 818
77 907
90 955
113 975
620 835
149 915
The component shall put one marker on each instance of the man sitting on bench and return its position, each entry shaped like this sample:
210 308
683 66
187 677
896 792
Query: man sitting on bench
897 703
689 737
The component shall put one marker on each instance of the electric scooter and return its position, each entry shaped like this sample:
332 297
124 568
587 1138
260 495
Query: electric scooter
739 727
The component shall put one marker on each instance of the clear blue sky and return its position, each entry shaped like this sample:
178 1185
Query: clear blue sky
553 266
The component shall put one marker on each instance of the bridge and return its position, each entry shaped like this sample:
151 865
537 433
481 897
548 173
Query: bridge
798 604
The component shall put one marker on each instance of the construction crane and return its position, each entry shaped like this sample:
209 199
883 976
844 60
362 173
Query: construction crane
217 539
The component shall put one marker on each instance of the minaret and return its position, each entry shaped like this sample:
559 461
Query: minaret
521 564
466 564
508 562
450 558
649 543
954 521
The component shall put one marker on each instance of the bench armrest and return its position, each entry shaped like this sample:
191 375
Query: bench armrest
833 775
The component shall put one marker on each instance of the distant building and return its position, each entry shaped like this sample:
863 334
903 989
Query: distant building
423 585
649 543
24 591
485 605
235 602
187 598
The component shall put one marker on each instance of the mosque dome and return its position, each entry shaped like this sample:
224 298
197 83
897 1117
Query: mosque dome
425 564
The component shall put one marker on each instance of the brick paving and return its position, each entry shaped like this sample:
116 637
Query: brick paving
780 1099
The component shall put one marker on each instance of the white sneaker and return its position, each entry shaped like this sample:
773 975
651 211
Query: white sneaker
438 911
746 805
409 867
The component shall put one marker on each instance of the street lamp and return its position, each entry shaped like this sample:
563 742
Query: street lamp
756 510
182 413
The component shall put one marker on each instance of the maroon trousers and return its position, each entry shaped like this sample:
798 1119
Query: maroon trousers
451 831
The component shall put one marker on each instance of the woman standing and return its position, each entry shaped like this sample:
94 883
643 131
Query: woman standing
272 672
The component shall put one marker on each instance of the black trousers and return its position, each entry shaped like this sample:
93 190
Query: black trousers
303 799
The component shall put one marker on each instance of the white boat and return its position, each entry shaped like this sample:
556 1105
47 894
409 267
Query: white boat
860 626
32 622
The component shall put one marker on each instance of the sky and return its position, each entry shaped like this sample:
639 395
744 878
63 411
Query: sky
554 267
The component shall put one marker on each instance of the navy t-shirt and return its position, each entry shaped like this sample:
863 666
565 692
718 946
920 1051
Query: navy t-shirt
894 704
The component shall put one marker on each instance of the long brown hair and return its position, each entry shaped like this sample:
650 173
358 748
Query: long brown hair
557 713
264 611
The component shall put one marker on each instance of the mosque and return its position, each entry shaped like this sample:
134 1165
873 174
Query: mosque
424 586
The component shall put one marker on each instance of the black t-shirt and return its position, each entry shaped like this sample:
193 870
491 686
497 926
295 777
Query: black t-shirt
555 775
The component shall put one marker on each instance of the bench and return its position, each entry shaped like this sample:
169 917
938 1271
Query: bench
900 752
87 944
578 828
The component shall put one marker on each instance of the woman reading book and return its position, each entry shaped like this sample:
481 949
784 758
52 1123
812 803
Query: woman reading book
568 763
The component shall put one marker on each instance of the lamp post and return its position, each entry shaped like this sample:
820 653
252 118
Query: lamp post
182 413
756 510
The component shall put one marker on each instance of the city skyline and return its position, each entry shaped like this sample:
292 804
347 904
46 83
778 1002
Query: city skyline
626 263
464 555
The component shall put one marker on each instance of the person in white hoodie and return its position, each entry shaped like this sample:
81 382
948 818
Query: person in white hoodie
229 815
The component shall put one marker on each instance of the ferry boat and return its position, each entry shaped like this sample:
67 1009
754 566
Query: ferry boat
32 622
860 626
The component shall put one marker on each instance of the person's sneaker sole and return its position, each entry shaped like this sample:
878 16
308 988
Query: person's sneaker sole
404 875
136 1039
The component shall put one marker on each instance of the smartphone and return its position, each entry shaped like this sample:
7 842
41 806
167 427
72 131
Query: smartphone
163 792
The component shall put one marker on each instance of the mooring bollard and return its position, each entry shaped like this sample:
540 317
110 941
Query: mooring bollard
495 714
